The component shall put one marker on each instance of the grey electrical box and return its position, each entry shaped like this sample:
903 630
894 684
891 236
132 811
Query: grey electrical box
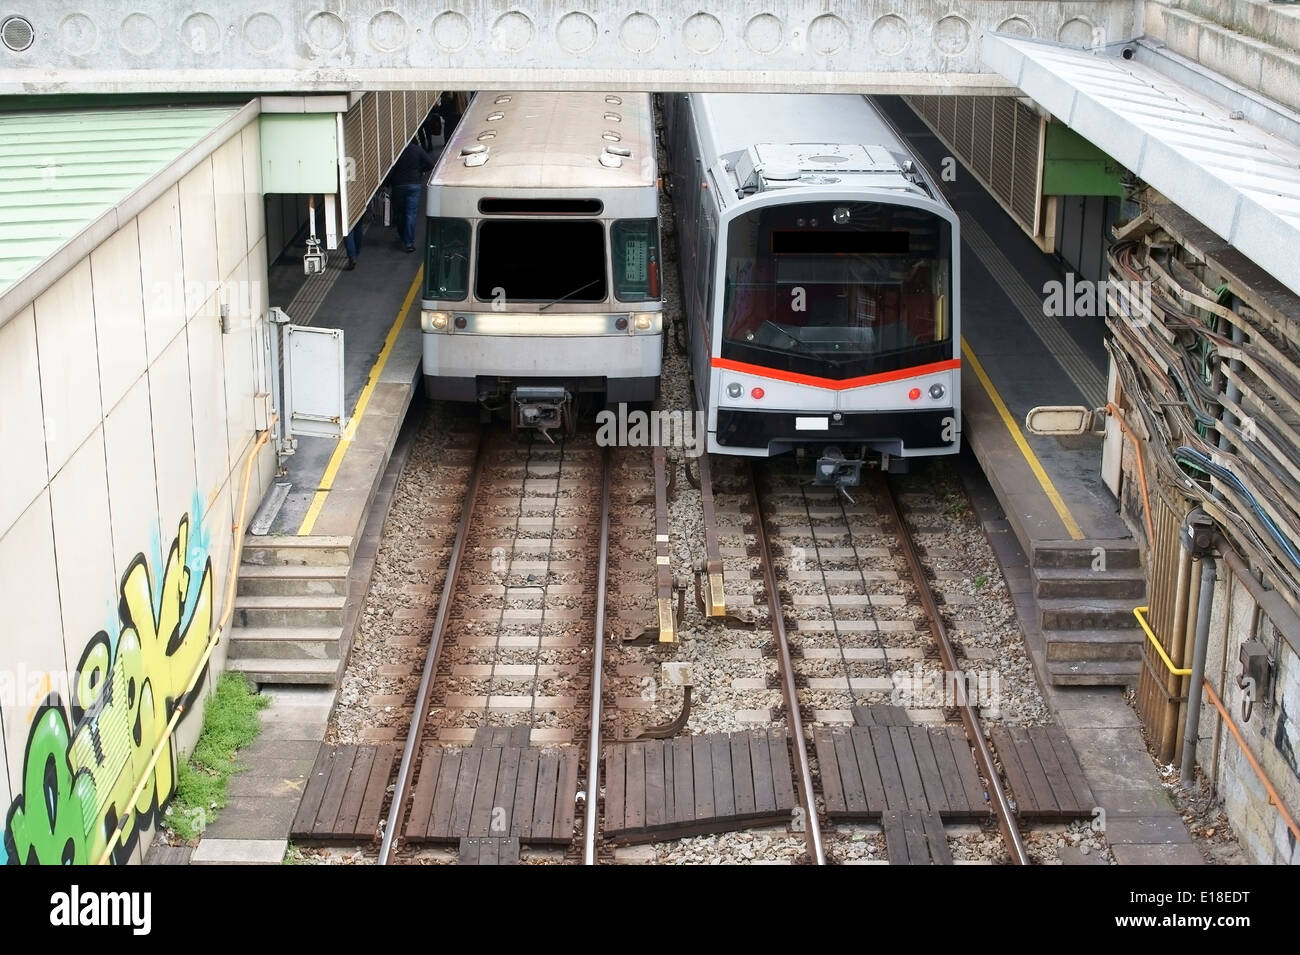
1254 666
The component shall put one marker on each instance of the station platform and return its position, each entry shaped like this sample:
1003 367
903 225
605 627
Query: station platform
330 482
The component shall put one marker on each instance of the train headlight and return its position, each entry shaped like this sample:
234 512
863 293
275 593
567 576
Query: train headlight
735 389
936 391
642 321
840 215
435 321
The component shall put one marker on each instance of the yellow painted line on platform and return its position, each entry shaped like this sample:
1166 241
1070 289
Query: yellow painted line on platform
336 459
1044 481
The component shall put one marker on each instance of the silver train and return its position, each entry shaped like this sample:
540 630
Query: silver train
542 257
820 279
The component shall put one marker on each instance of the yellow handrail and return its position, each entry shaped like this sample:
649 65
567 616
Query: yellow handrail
236 555
1138 612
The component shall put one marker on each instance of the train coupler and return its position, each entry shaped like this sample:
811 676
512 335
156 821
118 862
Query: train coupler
833 469
542 408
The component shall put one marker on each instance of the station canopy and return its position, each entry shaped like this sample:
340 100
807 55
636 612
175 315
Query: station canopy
1241 181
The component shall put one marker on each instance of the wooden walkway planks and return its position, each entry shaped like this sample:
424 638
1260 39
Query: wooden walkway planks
345 794
880 714
868 770
1043 772
494 791
691 785
915 838
489 850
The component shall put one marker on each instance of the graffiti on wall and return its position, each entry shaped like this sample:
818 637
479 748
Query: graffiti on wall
85 756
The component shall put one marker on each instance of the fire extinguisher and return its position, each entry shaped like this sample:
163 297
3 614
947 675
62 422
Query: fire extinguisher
652 274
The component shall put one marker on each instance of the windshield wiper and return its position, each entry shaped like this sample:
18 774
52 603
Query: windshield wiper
567 294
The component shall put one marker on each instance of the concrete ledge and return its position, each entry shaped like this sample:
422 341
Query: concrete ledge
240 852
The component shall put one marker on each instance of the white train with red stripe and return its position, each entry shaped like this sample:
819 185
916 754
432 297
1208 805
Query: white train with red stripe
820 280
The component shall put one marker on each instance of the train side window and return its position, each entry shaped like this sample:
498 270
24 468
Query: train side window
446 264
636 259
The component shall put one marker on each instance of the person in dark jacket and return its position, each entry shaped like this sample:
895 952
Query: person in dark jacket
406 179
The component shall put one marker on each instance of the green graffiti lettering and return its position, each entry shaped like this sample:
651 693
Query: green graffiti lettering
46 822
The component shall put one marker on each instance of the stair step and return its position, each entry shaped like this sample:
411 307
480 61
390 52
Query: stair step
1121 554
1095 673
275 672
271 580
286 549
308 611
287 643
1080 613
1115 583
1078 645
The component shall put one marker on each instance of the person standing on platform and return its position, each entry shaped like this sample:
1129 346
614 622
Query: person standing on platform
352 244
407 179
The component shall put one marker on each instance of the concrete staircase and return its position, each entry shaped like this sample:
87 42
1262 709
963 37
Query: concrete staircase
1086 614
289 610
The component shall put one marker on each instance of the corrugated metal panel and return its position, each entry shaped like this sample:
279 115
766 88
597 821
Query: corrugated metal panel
1004 144
982 137
375 131
60 171
962 132
1024 179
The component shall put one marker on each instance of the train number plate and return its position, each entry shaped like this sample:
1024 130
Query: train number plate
811 424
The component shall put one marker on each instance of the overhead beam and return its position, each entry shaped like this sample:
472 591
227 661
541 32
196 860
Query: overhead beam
897 46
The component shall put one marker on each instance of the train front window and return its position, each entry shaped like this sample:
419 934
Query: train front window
446 262
635 244
540 260
838 289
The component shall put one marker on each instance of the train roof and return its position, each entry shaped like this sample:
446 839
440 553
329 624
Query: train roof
781 140
552 141
739 120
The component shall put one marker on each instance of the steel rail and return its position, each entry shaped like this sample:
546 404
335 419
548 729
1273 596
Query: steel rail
597 672
812 828
983 757
406 770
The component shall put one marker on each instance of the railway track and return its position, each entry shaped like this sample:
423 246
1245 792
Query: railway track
511 668
851 608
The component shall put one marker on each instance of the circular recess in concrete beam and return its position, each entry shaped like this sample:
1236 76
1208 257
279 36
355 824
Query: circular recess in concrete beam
262 33
512 32
702 33
890 35
452 31
1081 33
325 32
387 31
952 35
576 32
200 34
139 34
1016 26
77 34
828 34
763 33
639 33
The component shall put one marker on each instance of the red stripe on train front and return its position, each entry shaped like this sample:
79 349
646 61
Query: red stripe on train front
835 384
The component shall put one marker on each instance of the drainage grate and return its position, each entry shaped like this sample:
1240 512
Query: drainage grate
17 34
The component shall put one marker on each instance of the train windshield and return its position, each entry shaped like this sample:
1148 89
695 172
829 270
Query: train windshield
838 289
540 260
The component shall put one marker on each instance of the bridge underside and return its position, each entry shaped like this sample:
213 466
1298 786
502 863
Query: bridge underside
883 46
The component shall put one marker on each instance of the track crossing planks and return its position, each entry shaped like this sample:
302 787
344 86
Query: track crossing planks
868 770
915 838
494 792
1043 772
692 785
344 797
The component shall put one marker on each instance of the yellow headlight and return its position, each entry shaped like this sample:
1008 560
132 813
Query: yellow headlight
641 320
436 321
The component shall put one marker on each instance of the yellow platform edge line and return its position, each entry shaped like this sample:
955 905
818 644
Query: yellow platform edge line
1053 495
377 369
